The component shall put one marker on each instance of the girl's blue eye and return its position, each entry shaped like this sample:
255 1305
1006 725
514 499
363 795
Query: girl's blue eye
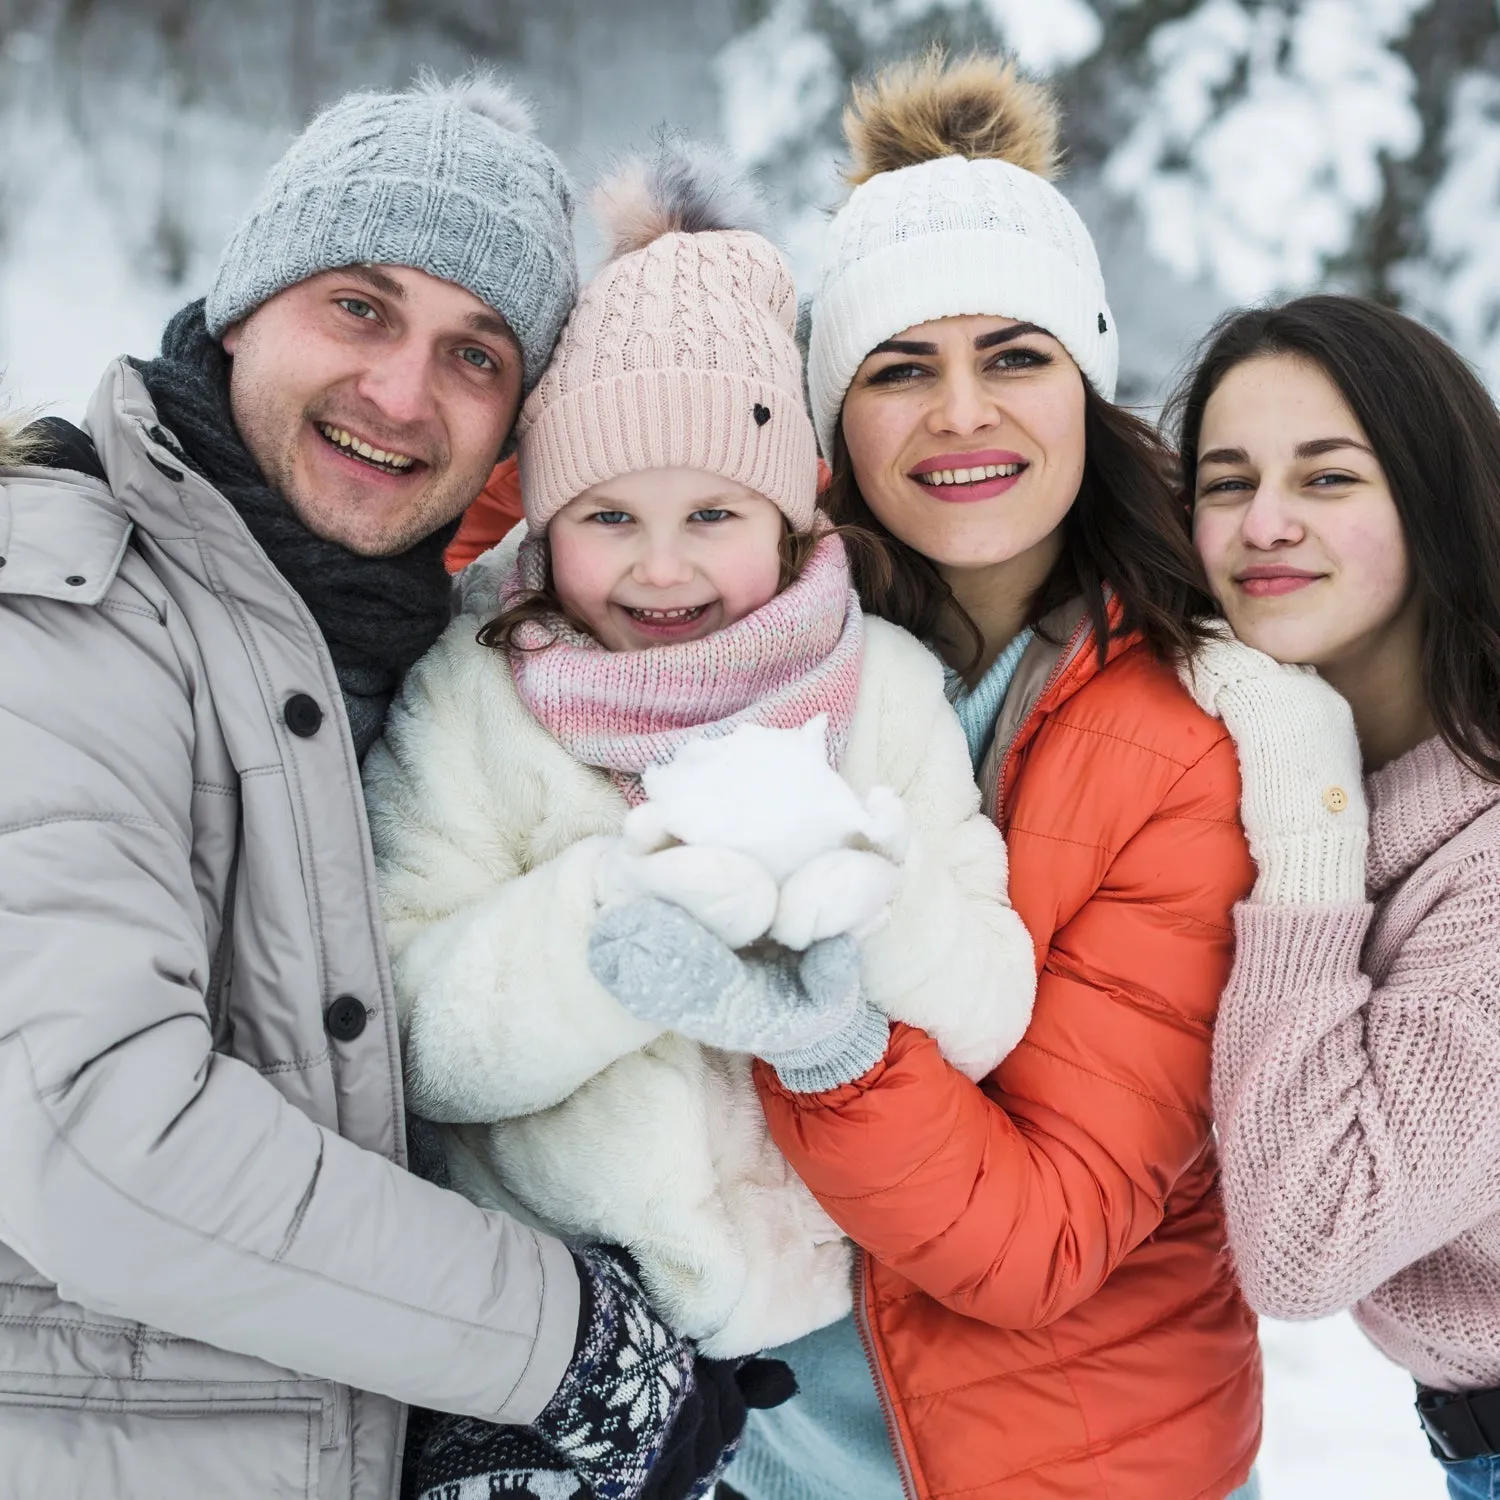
611 517
358 306
478 358
711 514
1328 480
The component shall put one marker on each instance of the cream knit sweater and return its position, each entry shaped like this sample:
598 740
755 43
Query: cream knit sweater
1357 1084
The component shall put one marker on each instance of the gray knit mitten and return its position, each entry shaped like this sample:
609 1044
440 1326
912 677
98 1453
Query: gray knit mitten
805 1014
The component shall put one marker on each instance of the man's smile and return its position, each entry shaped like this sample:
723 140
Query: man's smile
377 458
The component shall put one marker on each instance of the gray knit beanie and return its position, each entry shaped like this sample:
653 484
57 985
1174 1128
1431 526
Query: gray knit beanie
447 178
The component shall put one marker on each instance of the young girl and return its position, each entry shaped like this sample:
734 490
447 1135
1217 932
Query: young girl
675 585
1344 466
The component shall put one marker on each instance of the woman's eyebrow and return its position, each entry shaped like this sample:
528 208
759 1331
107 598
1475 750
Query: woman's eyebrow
1223 456
1005 335
904 346
1319 446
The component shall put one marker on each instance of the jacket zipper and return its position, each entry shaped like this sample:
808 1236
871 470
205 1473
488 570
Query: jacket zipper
863 1319
862 1322
1063 662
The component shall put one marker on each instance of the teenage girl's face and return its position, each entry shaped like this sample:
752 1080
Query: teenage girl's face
1294 520
966 438
665 555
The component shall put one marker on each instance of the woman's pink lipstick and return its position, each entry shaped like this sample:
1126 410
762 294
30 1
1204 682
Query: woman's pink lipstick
946 469
1271 583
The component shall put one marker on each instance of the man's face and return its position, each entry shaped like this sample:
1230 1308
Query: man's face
375 400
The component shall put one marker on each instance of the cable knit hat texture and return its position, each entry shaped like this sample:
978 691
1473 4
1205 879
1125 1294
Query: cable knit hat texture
952 214
680 352
447 178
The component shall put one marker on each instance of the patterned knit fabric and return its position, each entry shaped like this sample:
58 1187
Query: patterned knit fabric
978 707
946 238
679 355
1357 1085
787 662
602 1432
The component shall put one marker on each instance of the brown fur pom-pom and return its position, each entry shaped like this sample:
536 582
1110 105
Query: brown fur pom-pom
929 107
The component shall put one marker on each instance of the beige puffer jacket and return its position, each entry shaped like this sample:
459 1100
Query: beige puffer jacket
216 1277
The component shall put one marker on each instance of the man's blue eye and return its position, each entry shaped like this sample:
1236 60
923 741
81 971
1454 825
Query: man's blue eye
357 306
478 358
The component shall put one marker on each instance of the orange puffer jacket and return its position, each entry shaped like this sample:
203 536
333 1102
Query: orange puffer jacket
1046 1299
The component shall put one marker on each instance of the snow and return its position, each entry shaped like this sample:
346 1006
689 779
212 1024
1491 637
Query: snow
1248 157
1263 191
1459 285
1339 1419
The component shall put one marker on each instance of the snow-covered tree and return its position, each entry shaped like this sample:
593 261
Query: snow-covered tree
1261 147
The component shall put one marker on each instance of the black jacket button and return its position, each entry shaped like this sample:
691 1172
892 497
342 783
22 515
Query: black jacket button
302 715
345 1018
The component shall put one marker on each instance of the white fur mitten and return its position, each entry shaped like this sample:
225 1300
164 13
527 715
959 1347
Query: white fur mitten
730 893
1302 795
845 890
756 833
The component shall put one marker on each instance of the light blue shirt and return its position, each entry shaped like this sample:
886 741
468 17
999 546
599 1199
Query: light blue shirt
979 707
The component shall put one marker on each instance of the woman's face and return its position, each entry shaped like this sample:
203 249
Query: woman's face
1294 520
966 438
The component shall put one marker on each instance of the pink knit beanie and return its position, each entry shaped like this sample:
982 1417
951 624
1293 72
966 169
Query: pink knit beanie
680 352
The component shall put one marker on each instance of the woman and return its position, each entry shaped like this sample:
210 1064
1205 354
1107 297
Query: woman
1043 1305
1344 465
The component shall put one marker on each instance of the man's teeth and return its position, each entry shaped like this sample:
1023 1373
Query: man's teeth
342 439
970 476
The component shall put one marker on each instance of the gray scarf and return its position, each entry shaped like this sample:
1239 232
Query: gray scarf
377 614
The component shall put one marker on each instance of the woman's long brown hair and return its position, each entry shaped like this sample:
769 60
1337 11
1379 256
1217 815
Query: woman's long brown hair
1126 535
1436 435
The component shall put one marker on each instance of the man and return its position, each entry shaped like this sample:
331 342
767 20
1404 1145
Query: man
216 1277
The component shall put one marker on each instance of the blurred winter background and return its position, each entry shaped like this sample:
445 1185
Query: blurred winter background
1222 151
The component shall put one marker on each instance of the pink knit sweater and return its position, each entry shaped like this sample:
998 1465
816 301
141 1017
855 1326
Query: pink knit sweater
1357 1085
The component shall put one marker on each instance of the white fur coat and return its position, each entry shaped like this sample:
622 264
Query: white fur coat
488 838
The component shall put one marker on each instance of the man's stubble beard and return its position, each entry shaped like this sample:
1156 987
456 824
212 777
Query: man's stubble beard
443 497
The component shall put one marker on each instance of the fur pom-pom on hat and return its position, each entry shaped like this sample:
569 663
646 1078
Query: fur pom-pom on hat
682 188
447 177
15 446
928 107
680 352
486 93
953 215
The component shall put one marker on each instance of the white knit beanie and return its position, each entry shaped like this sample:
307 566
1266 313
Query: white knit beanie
681 352
952 215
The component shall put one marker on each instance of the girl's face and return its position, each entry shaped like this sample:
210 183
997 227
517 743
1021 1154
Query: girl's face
966 438
1294 520
665 555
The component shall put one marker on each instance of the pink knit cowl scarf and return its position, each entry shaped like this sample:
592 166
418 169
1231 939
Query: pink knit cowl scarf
794 658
